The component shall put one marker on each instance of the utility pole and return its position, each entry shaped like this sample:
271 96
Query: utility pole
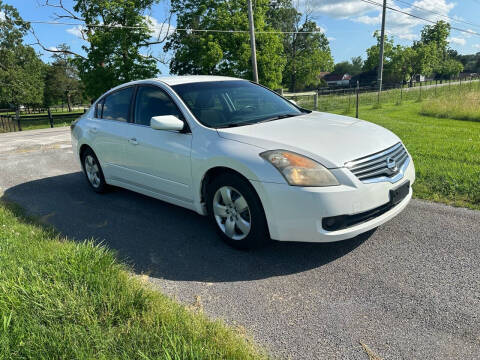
252 42
382 41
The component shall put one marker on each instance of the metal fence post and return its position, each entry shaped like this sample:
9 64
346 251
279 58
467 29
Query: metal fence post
357 91
420 90
401 92
436 84
50 117
17 116
315 100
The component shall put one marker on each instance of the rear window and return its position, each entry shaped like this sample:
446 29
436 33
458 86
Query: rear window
116 106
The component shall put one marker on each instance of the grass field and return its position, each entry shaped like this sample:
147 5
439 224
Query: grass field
461 105
446 152
65 300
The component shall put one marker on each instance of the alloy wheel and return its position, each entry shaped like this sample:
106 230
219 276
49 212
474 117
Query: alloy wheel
232 213
93 171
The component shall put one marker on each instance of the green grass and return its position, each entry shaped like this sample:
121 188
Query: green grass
446 152
65 300
45 123
461 105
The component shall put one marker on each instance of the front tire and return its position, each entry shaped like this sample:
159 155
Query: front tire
93 171
236 212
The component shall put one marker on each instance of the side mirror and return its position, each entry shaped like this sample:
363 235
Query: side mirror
167 122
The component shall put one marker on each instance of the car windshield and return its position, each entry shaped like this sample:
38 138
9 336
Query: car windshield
220 104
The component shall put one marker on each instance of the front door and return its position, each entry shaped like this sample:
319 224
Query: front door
158 160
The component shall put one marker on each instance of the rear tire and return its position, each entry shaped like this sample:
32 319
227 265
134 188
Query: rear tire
93 171
236 211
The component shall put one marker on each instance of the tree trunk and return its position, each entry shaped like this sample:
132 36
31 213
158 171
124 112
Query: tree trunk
69 102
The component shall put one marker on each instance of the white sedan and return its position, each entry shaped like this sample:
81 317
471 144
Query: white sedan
256 164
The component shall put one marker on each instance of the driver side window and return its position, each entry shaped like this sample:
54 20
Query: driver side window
152 101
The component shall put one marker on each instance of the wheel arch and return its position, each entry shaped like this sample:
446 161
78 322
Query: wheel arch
83 148
215 171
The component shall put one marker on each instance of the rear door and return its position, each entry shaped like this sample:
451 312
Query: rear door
158 160
110 131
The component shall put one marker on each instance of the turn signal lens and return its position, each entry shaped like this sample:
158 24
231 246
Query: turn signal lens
299 170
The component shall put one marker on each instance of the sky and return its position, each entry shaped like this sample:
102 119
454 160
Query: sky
348 24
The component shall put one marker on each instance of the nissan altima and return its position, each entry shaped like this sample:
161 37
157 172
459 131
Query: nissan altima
259 166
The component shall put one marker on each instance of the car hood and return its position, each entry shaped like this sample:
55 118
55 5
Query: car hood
330 139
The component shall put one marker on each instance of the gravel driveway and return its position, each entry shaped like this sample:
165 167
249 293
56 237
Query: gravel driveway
411 290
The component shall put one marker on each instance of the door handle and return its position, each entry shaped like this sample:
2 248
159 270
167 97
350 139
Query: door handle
133 141
93 130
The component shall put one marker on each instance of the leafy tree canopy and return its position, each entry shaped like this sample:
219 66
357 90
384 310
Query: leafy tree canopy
437 34
346 67
224 53
62 83
114 51
307 54
21 70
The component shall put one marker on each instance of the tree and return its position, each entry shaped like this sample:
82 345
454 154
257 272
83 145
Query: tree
437 34
373 53
117 32
352 68
217 53
408 62
307 54
62 82
449 68
21 70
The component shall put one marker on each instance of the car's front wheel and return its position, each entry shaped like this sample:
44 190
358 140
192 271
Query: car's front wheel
236 212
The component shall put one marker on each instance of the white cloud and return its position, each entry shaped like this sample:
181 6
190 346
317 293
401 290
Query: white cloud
457 41
2 16
398 24
337 8
76 31
476 46
53 48
331 38
159 30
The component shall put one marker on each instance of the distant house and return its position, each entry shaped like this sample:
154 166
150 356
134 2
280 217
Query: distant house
467 75
337 79
419 78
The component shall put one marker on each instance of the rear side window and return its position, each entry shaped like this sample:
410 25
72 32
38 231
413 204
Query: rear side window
116 106
153 101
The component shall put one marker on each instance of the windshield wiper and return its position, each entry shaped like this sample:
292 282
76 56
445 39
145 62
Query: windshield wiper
273 118
277 117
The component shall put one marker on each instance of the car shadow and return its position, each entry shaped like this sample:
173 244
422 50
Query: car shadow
159 239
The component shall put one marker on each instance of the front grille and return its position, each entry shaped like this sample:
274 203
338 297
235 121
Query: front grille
384 164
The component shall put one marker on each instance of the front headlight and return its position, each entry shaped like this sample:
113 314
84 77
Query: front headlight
299 170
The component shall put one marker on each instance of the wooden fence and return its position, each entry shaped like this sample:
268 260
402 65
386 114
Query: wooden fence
9 123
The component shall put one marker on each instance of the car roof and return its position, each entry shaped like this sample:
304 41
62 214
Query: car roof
188 79
174 80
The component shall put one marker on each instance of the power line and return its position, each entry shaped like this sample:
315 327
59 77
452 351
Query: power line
419 17
437 13
170 29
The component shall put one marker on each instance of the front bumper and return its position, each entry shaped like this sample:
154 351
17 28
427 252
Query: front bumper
296 213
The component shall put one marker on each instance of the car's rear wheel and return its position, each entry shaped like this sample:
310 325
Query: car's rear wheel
236 212
93 171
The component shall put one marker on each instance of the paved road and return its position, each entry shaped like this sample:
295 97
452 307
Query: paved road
411 290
